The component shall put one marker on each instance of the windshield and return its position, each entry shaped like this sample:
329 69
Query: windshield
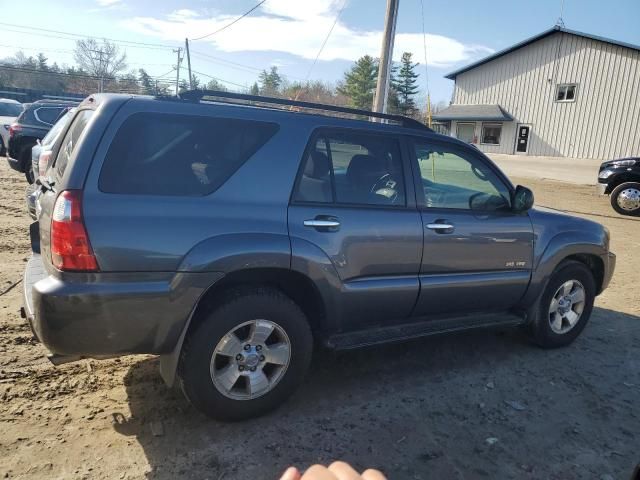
50 137
10 109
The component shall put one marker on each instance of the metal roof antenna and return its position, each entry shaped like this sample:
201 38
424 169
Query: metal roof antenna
560 22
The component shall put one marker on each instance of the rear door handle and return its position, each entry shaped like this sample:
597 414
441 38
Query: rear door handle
323 223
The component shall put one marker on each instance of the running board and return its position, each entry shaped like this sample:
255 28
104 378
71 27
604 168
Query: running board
397 333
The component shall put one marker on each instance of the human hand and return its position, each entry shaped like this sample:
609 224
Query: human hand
335 471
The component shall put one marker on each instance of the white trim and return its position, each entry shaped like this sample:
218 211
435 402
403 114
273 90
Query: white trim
566 85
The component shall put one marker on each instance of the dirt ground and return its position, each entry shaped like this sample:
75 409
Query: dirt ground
483 404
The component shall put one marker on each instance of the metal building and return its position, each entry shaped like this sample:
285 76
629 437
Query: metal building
560 93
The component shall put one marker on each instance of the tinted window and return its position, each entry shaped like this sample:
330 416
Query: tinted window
162 154
10 109
454 178
352 168
48 114
71 139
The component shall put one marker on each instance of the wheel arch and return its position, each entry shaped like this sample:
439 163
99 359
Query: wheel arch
620 179
293 284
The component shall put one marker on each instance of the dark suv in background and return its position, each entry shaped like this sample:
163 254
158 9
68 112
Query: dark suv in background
230 233
32 125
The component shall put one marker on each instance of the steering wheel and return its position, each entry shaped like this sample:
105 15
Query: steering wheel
385 187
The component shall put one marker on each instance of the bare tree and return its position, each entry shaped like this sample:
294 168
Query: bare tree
102 60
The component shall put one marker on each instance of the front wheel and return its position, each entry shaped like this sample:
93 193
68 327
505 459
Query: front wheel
625 198
564 307
247 356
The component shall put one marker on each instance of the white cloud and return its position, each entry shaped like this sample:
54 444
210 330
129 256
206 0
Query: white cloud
299 28
108 3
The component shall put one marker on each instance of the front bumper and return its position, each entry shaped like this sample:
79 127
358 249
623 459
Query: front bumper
601 188
609 261
107 314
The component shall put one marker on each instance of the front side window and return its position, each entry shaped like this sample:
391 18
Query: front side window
566 93
491 133
185 155
352 168
454 178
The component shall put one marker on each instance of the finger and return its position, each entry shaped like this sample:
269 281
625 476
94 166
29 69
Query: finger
373 475
291 473
343 471
318 472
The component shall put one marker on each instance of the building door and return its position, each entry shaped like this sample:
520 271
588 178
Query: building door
466 132
522 138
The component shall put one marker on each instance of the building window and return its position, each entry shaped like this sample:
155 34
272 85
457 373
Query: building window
566 93
491 133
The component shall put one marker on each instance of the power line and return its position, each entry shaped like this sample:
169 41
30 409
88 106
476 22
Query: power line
231 23
65 74
344 4
26 29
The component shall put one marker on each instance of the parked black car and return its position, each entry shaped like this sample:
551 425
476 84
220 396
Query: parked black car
32 125
620 179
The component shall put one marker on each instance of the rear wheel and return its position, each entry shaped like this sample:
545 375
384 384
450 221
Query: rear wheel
563 309
247 356
625 198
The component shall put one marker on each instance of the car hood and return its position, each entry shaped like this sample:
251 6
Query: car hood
608 163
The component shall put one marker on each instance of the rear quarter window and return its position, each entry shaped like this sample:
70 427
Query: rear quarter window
70 141
47 115
168 154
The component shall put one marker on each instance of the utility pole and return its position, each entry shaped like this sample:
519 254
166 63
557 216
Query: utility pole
384 69
101 67
178 51
186 43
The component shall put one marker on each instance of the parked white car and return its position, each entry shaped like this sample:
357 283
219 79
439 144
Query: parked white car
9 111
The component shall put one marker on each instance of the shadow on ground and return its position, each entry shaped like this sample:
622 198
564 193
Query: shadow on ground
481 404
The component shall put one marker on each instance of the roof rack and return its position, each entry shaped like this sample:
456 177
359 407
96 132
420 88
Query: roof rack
198 95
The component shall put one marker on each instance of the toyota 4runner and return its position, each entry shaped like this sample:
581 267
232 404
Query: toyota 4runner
229 234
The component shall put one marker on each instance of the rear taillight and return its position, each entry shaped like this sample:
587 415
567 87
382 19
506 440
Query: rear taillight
43 162
70 247
13 129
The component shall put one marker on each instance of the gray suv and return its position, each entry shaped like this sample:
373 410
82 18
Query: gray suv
229 234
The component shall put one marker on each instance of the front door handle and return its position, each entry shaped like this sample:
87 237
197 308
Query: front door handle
441 226
330 224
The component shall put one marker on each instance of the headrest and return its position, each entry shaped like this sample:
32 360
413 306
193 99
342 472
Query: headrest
317 165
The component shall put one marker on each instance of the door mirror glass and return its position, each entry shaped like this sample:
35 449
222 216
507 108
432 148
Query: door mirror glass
522 199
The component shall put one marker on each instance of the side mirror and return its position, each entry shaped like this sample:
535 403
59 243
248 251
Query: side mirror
522 199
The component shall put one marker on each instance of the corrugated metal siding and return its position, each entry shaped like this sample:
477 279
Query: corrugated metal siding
603 122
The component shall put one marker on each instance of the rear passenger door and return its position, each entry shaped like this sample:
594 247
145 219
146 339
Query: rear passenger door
354 203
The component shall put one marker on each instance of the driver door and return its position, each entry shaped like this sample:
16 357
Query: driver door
477 252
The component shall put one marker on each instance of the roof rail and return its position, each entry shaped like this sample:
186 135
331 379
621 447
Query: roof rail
197 95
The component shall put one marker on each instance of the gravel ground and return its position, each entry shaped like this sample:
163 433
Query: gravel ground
483 404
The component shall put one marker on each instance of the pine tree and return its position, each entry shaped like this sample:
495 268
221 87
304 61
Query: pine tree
255 90
145 81
42 62
270 81
360 83
406 85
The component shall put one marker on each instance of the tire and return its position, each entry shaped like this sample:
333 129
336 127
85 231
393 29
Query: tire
543 325
625 198
199 370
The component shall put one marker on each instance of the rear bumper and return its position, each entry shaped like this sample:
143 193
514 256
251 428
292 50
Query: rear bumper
15 164
93 315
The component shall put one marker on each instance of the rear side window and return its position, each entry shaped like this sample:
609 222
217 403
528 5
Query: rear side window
71 140
167 154
352 168
48 115
10 109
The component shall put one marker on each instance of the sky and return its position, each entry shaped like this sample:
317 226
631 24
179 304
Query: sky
290 33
